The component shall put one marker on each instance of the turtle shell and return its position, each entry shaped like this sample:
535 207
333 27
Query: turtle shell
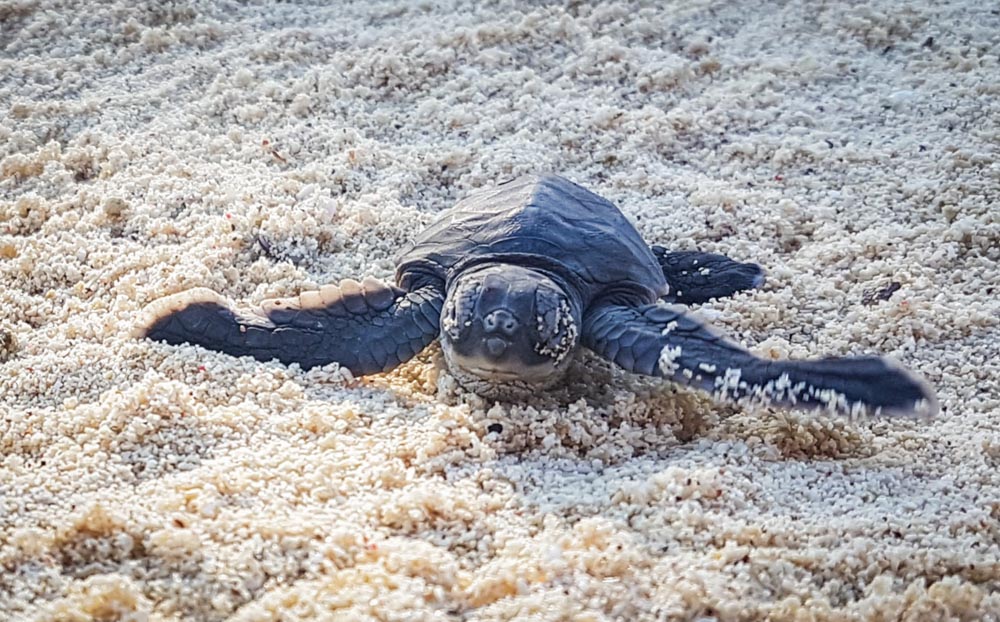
543 222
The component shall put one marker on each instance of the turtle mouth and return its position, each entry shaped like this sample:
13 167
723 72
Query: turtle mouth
503 384
495 373
481 371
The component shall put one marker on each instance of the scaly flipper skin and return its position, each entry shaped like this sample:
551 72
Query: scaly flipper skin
663 340
697 277
367 327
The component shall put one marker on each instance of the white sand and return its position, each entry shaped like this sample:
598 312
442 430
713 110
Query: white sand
142 150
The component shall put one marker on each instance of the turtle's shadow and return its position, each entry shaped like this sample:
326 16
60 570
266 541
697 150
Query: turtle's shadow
650 414
596 406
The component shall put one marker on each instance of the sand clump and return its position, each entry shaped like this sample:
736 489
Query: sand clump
260 150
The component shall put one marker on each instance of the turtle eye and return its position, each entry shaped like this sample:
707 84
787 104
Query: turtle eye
556 328
459 310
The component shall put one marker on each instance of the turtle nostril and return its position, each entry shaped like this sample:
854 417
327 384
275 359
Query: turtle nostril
495 346
500 321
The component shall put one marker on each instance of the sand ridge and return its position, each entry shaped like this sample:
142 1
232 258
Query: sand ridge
264 149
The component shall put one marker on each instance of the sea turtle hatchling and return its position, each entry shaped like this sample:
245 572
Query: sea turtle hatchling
514 280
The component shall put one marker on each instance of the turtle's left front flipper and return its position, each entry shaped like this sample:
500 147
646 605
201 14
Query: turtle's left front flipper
695 277
663 340
367 327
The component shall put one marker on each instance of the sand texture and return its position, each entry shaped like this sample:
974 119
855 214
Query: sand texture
260 149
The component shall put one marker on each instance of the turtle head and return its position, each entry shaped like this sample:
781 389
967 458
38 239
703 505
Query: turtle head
506 326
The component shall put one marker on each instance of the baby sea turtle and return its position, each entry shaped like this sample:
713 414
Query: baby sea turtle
514 280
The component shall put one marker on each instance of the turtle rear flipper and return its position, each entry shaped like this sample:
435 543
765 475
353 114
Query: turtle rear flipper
367 327
663 340
696 277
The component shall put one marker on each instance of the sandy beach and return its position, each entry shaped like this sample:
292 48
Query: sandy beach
263 149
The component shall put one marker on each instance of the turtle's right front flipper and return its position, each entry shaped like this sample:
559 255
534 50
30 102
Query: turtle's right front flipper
367 327
663 340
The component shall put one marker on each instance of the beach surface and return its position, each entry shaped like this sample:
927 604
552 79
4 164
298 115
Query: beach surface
262 149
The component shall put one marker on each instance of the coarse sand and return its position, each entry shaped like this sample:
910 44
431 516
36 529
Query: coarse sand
264 148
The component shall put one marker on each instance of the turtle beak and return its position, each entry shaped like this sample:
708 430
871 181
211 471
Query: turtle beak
495 346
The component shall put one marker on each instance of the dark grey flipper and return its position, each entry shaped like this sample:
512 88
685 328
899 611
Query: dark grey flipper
663 340
367 327
696 277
